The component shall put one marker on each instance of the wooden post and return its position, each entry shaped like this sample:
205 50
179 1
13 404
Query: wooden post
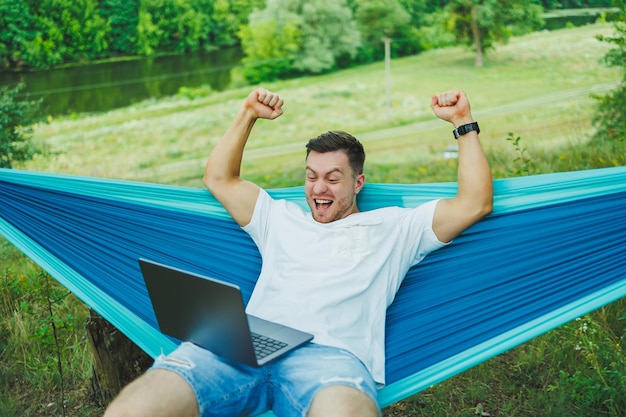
387 41
116 359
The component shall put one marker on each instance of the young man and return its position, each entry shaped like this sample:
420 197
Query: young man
332 272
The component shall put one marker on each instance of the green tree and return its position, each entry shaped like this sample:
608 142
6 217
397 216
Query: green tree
123 18
329 33
148 34
228 17
243 8
225 23
68 30
418 10
318 34
270 46
610 118
482 23
16 29
172 25
378 19
16 120
433 34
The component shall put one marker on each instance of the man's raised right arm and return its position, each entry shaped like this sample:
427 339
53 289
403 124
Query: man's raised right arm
222 173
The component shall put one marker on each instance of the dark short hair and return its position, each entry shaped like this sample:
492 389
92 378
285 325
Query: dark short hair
337 140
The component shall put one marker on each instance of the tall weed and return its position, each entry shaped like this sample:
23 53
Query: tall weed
523 165
42 345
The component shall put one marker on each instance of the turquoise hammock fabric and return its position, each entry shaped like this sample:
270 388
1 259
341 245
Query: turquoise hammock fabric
552 250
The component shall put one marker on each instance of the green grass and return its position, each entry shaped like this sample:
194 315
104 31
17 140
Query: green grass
30 381
576 370
537 88
534 86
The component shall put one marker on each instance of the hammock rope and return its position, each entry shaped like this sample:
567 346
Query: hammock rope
552 250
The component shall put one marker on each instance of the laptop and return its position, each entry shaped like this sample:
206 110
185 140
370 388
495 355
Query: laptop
211 314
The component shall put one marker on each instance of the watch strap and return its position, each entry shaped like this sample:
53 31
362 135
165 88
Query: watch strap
463 129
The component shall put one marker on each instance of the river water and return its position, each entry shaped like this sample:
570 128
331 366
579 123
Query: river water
104 86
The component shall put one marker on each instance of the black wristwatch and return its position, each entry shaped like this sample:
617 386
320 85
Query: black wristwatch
463 129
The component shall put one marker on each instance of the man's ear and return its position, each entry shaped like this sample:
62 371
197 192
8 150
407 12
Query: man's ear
358 184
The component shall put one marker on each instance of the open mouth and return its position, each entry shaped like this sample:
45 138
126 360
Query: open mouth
322 204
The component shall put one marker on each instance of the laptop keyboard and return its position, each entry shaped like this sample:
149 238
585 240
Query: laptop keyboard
264 345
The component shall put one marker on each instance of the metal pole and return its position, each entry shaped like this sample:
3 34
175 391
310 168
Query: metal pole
388 75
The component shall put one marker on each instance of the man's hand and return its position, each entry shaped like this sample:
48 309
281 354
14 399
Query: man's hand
264 104
453 107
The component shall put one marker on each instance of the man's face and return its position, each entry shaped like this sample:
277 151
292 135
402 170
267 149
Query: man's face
331 186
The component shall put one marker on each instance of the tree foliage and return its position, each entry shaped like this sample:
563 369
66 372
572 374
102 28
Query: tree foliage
123 18
68 30
17 26
270 45
329 32
379 19
16 120
279 37
46 33
229 16
482 23
291 37
172 25
610 118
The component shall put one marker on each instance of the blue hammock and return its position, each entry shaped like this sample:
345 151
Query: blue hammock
552 250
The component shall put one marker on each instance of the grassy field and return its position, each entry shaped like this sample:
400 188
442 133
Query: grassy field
537 87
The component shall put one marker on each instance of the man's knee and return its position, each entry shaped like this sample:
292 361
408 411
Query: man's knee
118 409
156 393
342 400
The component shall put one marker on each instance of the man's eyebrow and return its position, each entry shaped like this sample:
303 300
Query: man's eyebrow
308 168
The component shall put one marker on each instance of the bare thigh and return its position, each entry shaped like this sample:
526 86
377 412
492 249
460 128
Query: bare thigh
344 401
157 393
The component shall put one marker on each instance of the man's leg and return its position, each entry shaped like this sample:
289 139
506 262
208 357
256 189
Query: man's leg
192 381
317 380
344 401
157 393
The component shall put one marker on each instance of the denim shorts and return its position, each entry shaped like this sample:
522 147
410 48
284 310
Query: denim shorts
286 386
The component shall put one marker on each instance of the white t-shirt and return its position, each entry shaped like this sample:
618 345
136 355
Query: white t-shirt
336 280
